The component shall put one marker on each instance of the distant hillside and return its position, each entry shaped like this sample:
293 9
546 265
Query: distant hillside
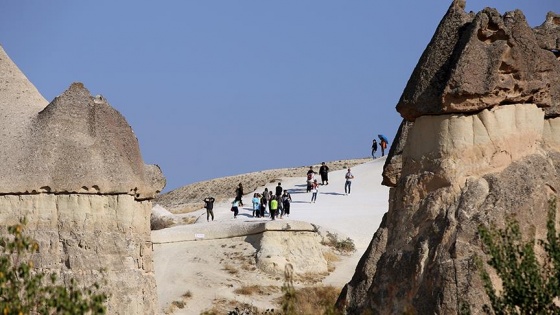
189 198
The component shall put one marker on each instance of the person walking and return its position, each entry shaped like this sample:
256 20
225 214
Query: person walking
256 205
310 178
286 199
383 145
263 206
279 190
209 205
239 194
265 199
235 208
314 191
273 207
324 172
348 184
373 148
278 195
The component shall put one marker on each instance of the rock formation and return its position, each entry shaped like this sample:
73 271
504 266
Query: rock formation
73 168
480 143
277 243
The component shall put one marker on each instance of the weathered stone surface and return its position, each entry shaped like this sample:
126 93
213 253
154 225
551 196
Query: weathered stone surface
548 33
393 164
481 145
92 238
80 144
74 169
479 62
277 243
458 172
302 250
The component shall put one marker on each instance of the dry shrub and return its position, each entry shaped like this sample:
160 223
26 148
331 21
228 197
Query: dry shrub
189 220
231 269
315 300
309 277
187 295
344 246
331 259
257 289
158 223
179 304
187 208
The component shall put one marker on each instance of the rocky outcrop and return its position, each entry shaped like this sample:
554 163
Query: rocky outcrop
277 243
480 144
73 168
481 61
547 33
80 144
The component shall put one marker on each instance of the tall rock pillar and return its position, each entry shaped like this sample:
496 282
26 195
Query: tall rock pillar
479 144
73 168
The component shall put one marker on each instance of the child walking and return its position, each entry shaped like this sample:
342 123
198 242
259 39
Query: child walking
234 208
314 191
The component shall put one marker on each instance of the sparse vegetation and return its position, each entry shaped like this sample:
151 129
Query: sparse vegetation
179 304
318 300
343 246
189 220
528 285
331 259
158 223
231 269
24 290
256 289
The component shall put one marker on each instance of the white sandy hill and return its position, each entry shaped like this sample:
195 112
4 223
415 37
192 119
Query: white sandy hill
201 264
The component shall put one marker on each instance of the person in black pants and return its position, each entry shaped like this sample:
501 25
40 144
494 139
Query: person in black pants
324 172
239 194
278 194
286 199
209 205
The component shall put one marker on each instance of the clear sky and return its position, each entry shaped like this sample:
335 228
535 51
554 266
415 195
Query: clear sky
214 88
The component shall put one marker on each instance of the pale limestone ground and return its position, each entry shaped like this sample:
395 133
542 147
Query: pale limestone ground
189 198
211 270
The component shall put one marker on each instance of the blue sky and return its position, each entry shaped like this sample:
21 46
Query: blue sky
219 88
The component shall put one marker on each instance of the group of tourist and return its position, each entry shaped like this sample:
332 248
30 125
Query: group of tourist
278 203
383 144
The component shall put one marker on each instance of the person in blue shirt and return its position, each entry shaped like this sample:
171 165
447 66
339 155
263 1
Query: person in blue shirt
235 208
256 205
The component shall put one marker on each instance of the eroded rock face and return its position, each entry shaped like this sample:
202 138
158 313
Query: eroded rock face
92 238
80 144
480 143
481 61
475 169
73 168
548 33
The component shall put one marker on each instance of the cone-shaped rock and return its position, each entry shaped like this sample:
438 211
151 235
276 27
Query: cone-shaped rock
73 168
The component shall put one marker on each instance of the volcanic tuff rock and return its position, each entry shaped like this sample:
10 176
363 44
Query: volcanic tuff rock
475 62
480 143
73 168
